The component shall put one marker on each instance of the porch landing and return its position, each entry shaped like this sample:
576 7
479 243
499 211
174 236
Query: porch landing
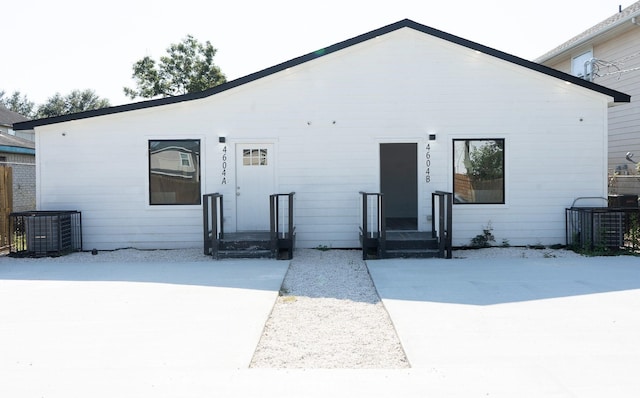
401 244
253 244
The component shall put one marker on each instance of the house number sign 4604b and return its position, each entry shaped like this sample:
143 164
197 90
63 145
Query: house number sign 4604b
427 163
224 165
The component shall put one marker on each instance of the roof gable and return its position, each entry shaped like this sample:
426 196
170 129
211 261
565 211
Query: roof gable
405 23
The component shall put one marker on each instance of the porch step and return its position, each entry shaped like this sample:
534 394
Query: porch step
245 254
410 241
412 253
256 244
245 241
403 244
244 245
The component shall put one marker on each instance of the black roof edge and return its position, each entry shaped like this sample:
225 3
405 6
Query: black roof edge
405 23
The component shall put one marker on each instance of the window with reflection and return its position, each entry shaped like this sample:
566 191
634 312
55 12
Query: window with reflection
174 172
478 171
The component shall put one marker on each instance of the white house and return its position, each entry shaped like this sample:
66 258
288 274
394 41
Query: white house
404 110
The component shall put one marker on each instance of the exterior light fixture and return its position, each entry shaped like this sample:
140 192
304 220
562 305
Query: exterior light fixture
222 140
432 137
629 156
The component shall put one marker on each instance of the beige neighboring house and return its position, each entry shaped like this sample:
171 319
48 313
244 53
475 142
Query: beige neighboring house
19 154
609 54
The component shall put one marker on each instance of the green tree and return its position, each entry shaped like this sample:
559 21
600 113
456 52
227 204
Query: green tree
18 103
188 67
486 161
76 101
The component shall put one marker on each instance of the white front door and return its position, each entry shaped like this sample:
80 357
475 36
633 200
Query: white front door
255 181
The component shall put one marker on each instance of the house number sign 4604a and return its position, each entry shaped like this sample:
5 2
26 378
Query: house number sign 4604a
427 163
224 165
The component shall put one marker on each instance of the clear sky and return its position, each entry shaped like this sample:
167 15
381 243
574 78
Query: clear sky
58 46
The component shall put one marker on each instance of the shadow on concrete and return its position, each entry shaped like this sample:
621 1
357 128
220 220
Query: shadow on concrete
498 281
242 274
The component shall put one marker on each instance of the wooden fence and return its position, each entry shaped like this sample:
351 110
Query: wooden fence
6 204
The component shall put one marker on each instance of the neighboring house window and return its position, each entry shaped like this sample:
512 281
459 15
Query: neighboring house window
578 65
174 172
185 158
478 171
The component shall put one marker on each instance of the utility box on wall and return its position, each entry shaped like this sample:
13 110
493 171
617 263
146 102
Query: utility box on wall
45 233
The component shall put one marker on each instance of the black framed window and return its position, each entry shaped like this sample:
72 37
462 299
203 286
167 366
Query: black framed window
478 171
174 172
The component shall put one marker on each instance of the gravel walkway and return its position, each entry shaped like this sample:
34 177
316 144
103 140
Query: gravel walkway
329 315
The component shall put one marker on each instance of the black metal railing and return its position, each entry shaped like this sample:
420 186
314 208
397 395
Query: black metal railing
281 228
44 233
213 222
442 211
372 227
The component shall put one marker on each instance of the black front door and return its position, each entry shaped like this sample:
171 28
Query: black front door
399 184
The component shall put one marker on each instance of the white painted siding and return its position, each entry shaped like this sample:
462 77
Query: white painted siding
326 119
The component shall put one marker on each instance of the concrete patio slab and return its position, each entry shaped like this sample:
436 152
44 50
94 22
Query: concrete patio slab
544 327
66 323
471 328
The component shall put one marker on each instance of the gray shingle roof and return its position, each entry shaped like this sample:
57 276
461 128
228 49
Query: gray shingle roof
17 142
609 23
8 118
